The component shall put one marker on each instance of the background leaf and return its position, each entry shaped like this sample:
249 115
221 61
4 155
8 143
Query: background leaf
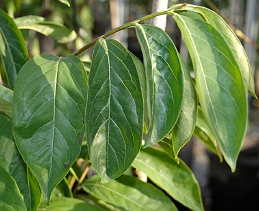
11 198
164 81
220 87
114 110
48 116
176 179
129 193
6 100
48 28
13 163
13 50
65 204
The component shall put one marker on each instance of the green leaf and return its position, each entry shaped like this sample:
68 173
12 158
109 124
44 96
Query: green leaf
48 28
114 110
237 48
11 198
128 193
13 51
6 100
183 130
204 133
48 116
65 204
220 87
12 161
164 81
65 2
176 179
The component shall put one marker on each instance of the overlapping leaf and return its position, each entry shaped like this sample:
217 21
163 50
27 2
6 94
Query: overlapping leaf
11 198
6 100
47 28
176 179
48 116
129 193
13 51
11 160
220 86
164 81
114 110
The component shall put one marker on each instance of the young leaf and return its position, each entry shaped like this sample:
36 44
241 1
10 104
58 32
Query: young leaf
65 204
48 116
176 179
114 110
164 81
128 193
13 51
185 125
220 87
237 48
12 161
11 198
6 100
57 31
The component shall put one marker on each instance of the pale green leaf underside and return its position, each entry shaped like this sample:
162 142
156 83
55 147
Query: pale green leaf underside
12 161
13 51
57 31
220 87
48 116
114 110
129 193
11 198
6 100
164 81
176 179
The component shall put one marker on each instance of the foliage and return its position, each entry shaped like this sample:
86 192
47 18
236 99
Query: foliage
58 120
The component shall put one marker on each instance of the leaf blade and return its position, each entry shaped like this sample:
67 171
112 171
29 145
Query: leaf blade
50 115
6 100
116 108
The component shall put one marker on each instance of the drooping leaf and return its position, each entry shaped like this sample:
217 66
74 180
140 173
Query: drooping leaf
164 81
183 130
65 204
114 110
6 100
13 51
48 28
176 179
11 198
237 48
204 133
66 2
48 116
12 161
219 83
128 193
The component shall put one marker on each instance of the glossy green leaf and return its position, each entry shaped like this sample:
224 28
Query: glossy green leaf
204 133
48 116
11 198
65 204
12 161
114 110
164 81
183 130
219 83
237 48
6 100
176 179
129 193
13 51
48 28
